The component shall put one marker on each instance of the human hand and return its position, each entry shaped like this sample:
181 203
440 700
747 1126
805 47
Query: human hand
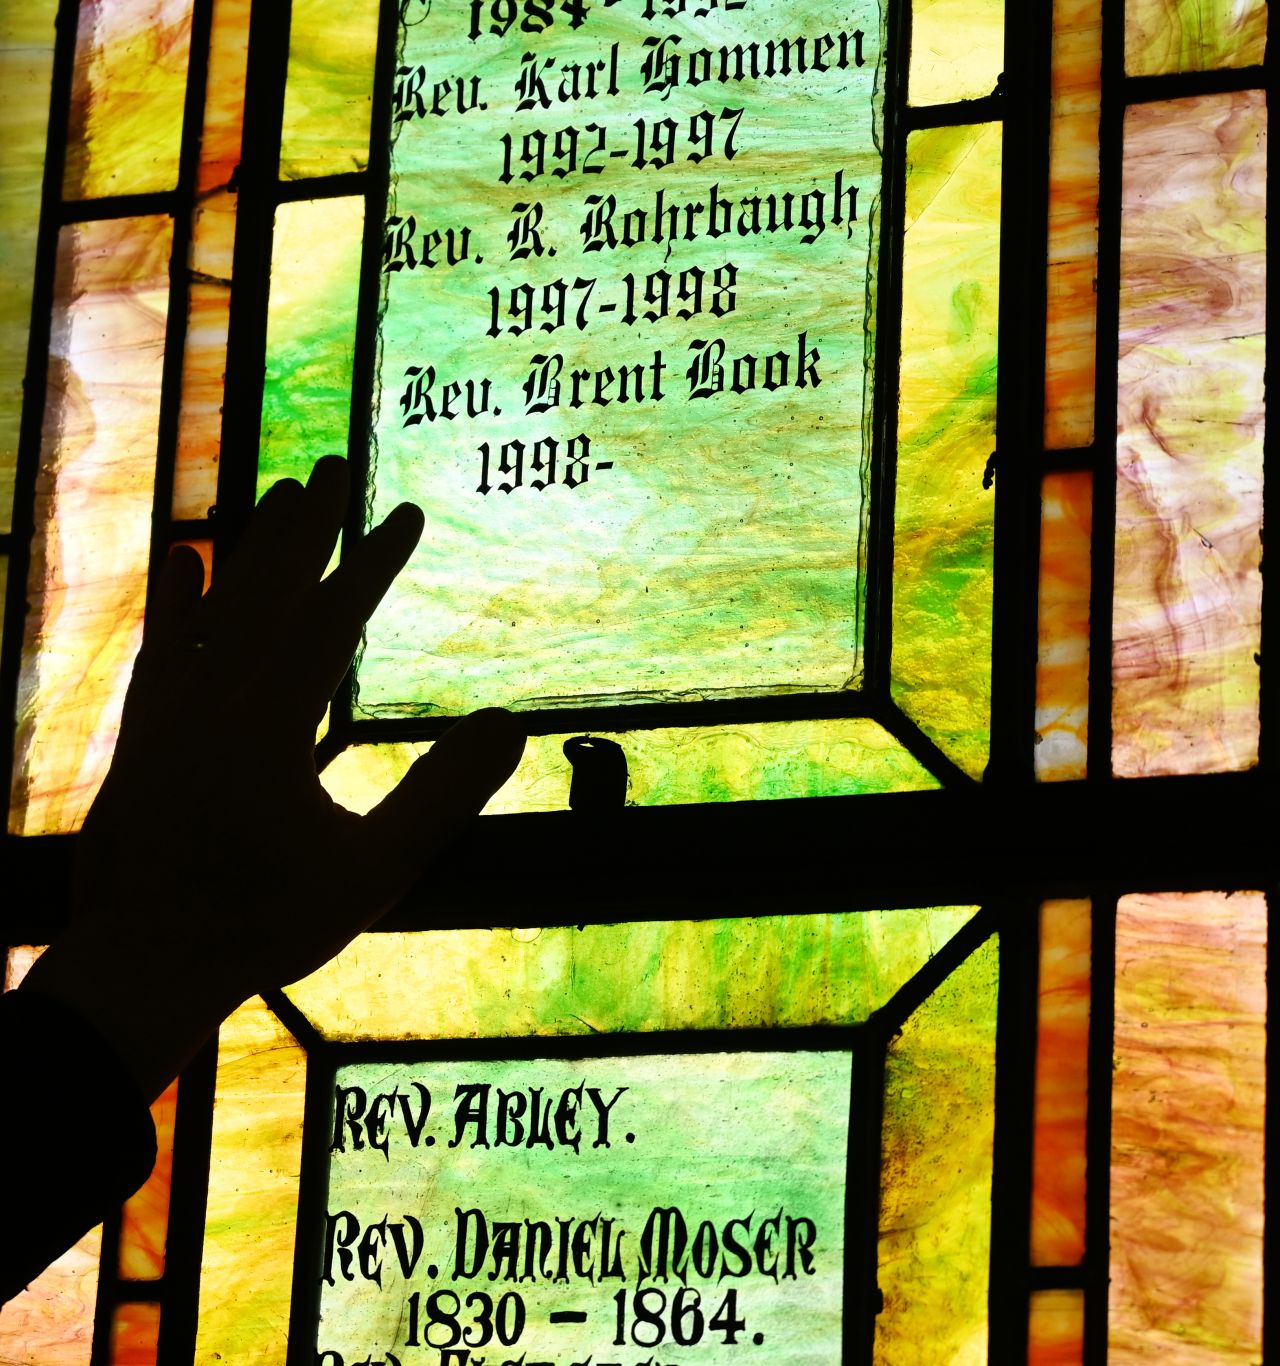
213 865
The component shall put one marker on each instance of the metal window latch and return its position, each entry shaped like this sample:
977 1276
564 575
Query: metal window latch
599 774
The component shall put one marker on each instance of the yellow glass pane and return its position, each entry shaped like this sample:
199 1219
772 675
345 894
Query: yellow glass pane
246 1276
945 518
957 50
26 63
329 95
1193 35
127 97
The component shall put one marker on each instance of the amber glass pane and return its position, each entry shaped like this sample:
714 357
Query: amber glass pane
1188 583
135 1335
1193 35
946 433
88 575
1062 665
145 1222
195 477
126 97
1187 1114
957 49
1057 1328
1072 313
1062 1085
26 59
329 95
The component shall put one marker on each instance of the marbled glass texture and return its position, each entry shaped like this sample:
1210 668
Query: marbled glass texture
1188 584
672 767
1162 36
246 1273
329 91
716 547
204 361
1187 1118
311 333
144 1224
127 97
945 518
26 60
94 492
755 973
957 50
1056 1336
135 1335
1062 664
1072 300
935 1193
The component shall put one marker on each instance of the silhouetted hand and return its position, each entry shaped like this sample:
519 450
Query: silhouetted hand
213 865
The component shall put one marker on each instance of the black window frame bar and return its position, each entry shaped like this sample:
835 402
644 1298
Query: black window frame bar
1009 843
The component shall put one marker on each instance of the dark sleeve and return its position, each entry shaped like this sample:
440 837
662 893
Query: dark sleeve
76 1136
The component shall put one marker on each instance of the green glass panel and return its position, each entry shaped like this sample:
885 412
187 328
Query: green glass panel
957 49
673 767
26 60
684 1136
1163 36
935 1194
315 285
329 94
945 517
772 972
692 541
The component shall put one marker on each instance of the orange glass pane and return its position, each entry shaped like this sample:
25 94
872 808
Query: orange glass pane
94 492
1187 1133
195 477
145 1222
1062 1084
1062 662
1057 1328
1072 315
1188 580
205 550
135 1335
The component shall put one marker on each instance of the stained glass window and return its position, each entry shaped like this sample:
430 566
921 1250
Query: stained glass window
854 413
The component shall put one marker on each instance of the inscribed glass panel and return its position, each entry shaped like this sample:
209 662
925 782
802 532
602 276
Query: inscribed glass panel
1188 582
634 489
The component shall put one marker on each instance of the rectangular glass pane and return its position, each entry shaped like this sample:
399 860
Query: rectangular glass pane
935 1195
677 1172
127 96
1188 583
195 476
957 49
696 359
1193 35
26 62
945 518
246 1275
1187 1121
1072 303
144 1225
135 1335
1057 1328
1062 665
1062 1084
311 332
329 96
88 576
771 972
671 767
